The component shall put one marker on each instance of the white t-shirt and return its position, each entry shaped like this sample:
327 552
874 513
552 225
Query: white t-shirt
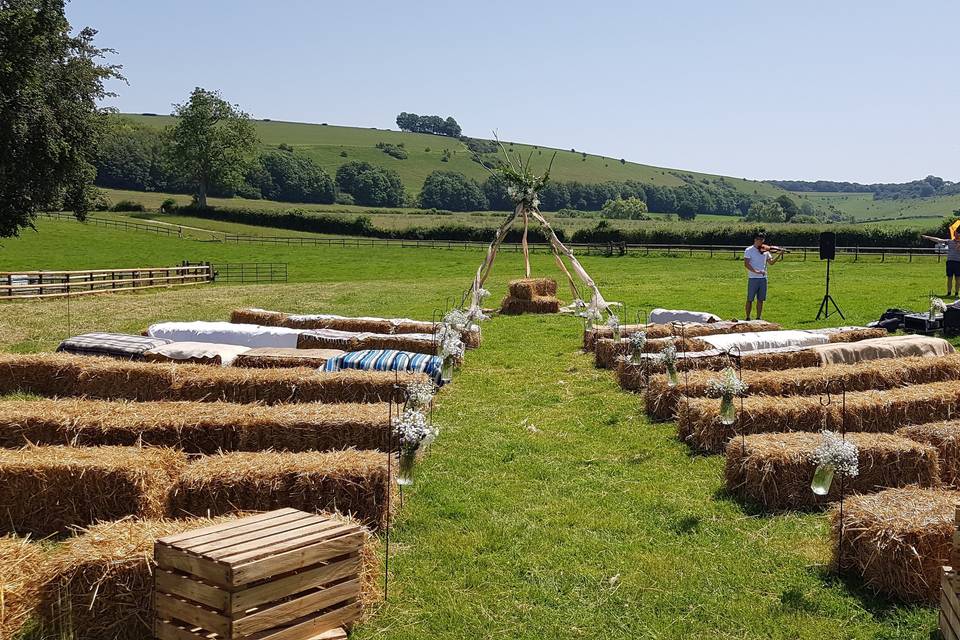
758 261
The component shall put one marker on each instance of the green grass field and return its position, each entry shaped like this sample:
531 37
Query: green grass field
325 144
916 212
549 507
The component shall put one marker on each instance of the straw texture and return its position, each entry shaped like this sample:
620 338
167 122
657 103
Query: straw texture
690 330
529 288
874 411
662 399
539 304
349 481
896 541
608 351
47 490
945 437
195 427
773 470
23 566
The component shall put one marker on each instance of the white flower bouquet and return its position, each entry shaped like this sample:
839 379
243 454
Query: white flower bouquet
834 455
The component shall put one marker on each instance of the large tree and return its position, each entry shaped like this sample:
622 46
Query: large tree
213 143
50 82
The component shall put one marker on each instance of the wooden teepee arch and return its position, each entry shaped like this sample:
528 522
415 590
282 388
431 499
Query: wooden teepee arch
528 207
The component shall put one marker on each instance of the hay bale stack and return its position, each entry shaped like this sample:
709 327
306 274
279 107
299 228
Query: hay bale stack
110 379
285 358
896 541
276 386
23 566
101 584
698 421
539 304
773 470
261 317
528 288
348 481
662 399
195 427
690 330
607 351
47 490
412 342
945 437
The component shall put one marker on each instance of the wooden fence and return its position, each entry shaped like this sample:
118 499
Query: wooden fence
18 285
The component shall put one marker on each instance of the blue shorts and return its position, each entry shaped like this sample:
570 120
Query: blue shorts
756 289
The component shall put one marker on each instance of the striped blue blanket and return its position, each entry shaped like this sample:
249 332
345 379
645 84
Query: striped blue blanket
388 360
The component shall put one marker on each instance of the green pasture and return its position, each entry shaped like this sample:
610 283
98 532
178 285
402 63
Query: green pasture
549 507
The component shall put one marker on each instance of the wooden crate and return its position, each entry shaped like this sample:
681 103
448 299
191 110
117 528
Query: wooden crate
282 575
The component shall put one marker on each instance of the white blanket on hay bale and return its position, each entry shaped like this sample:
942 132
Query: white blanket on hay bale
765 340
666 316
877 348
244 335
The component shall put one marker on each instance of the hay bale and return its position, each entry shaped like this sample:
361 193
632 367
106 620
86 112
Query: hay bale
607 351
773 470
662 399
195 427
101 584
630 376
412 342
530 288
945 437
23 566
698 421
857 334
271 358
349 481
896 541
48 374
275 386
261 317
47 490
633 376
539 304
690 330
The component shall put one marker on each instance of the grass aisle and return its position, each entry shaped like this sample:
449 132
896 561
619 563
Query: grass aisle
550 508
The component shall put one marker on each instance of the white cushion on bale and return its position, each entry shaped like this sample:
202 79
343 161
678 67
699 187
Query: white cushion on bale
765 340
245 335
666 316
197 352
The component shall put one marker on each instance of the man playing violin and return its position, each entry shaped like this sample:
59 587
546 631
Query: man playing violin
756 258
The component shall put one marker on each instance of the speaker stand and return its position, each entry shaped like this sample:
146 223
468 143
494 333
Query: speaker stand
828 300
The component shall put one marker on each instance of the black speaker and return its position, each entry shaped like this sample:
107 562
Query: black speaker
828 245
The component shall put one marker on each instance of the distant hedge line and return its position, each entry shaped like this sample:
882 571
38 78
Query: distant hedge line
655 233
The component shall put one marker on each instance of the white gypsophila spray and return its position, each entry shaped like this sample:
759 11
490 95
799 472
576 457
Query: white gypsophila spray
451 346
668 355
638 340
412 429
482 293
727 385
456 318
420 394
838 453
592 315
613 321
937 305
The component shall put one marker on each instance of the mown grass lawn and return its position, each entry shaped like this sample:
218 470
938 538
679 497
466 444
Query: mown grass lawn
549 507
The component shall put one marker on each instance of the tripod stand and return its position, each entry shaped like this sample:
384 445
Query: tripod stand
825 311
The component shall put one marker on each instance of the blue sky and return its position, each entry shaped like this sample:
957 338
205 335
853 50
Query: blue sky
864 91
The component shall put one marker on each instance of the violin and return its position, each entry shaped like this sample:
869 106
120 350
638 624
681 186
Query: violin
773 248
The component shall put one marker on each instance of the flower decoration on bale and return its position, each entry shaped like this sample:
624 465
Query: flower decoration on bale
727 387
413 431
457 319
450 351
668 356
936 306
614 323
420 394
834 455
638 341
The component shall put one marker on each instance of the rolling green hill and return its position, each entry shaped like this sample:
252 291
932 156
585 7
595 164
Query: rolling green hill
326 144
913 212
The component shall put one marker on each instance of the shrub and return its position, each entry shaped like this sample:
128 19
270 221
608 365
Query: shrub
453 191
168 205
343 198
127 205
343 154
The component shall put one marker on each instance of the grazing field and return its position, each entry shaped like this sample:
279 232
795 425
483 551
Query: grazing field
918 213
325 144
549 507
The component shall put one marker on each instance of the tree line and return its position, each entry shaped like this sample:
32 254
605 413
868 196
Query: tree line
429 124
926 188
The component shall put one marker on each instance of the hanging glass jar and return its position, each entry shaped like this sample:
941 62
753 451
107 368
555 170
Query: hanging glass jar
822 479
728 410
672 378
408 459
446 370
636 357
616 333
